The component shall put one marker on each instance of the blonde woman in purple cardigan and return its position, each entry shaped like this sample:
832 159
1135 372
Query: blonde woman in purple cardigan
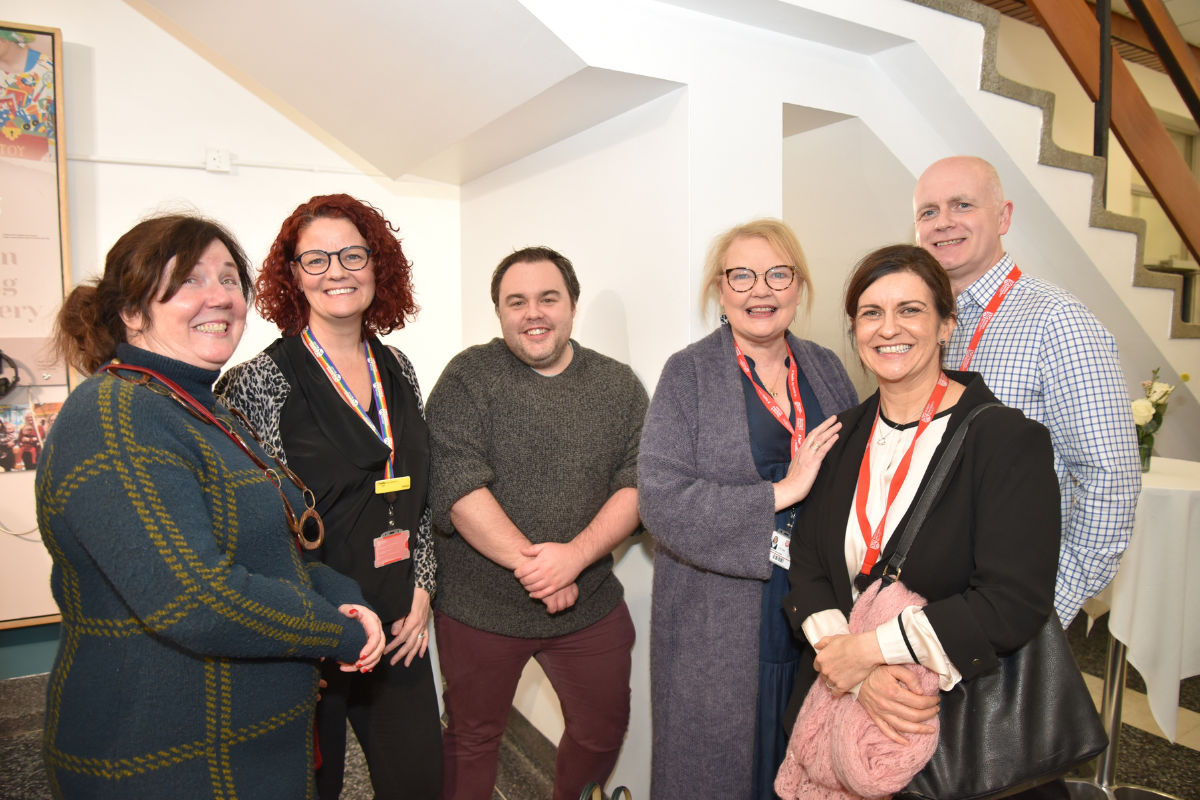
736 432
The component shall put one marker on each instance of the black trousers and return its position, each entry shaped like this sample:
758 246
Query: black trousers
395 716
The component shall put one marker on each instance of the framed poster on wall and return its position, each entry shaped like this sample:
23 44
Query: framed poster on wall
35 272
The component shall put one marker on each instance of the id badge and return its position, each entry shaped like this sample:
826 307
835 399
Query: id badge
780 552
390 548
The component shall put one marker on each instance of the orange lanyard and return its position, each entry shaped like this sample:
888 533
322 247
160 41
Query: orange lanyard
988 313
874 539
793 385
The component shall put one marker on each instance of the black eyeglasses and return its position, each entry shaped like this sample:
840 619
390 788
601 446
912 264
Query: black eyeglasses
316 262
742 279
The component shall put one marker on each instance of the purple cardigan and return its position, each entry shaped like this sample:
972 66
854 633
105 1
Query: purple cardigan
711 515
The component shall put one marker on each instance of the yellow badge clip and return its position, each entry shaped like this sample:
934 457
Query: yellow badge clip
392 485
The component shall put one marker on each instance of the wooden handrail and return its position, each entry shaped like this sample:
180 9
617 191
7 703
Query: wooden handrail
1130 31
1075 32
1173 50
1134 45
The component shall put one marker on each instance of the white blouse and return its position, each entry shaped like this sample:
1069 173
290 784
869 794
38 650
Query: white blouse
887 447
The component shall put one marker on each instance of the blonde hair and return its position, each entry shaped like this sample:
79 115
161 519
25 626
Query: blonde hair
778 234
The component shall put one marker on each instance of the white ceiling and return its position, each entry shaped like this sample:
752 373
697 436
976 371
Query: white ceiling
574 104
802 23
447 90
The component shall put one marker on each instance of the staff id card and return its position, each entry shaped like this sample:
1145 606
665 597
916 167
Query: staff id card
390 548
389 485
780 553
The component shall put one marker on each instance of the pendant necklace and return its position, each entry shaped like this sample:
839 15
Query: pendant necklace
772 390
883 435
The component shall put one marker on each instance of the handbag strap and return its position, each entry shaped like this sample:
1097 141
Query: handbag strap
925 502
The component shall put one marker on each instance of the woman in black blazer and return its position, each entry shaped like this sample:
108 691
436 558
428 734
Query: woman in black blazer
985 558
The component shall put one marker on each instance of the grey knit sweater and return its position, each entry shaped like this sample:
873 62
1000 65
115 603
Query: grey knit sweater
552 450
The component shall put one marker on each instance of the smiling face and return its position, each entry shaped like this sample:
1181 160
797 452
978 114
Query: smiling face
203 322
536 315
763 314
897 330
338 297
960 218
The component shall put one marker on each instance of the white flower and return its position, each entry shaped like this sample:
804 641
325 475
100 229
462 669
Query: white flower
1143 411
1159 392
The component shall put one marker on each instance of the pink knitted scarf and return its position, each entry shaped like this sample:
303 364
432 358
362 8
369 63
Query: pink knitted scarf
836 750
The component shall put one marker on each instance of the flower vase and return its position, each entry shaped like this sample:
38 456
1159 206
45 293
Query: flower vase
1145 446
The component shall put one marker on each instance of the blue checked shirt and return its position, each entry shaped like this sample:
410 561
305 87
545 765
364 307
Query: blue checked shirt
1047 355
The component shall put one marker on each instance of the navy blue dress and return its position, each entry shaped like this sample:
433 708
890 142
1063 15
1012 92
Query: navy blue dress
778 650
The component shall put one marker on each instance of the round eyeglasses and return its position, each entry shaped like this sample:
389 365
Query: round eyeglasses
316 262
742 279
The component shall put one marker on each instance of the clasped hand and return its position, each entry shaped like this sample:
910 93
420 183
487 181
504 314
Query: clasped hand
368 657
549 574
890 694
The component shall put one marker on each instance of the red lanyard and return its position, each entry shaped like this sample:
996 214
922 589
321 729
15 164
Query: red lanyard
988 313
181 396
874 540
793 385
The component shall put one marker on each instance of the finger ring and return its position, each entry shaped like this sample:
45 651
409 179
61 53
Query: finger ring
816 446
829 684
421 635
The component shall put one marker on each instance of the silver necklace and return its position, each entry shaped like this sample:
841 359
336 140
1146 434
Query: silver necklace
883 435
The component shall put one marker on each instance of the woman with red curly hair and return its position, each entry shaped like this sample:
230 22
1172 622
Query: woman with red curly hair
345 413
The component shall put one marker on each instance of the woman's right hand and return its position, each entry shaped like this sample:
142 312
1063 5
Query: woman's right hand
369 657
803 470
892 697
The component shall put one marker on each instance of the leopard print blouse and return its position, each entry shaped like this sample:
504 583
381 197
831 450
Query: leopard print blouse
258 389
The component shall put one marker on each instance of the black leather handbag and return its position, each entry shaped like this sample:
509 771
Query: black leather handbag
1009 729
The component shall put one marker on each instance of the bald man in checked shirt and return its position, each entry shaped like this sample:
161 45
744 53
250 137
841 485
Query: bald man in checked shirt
1043 352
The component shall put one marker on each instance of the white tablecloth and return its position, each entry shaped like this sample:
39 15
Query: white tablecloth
1155 598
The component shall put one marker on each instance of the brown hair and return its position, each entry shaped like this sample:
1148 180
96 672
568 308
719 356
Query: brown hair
900 258
777 233
89 325
282 301
532 255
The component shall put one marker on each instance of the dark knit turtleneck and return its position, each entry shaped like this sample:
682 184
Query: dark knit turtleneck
196 381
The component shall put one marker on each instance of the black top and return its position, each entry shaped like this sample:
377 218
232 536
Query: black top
985 558
339 457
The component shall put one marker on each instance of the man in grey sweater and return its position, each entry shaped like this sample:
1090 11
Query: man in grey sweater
534 482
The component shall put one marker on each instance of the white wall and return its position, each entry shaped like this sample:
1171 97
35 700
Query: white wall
844 194
132 91
613 200
738 76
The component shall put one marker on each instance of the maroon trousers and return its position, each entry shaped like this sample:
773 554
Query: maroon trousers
589 670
